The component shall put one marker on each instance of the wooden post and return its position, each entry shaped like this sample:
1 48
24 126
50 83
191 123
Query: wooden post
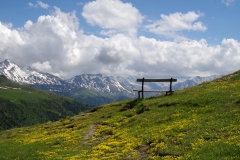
142 87
171 86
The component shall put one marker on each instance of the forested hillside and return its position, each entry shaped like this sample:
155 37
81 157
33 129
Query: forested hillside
22 105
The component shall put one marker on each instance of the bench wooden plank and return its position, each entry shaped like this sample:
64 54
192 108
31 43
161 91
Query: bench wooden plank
156 80
152 91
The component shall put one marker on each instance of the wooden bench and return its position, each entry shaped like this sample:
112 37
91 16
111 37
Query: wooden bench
154 80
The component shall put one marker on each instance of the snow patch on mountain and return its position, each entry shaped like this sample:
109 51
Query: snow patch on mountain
26 74
193 81
100 82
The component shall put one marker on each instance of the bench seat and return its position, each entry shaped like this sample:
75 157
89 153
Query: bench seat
151 90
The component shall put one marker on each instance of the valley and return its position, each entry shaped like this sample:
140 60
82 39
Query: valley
22 105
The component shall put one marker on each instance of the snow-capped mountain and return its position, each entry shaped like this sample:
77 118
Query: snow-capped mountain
100 82
26 74
93 85
193 81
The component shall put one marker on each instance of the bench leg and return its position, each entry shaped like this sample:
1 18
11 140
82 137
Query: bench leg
142 88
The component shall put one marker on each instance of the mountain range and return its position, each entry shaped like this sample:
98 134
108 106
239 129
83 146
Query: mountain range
95 89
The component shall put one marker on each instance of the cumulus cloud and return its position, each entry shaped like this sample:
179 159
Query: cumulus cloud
170 25
116 50
10 39
56 44
112 14
39 4
52 38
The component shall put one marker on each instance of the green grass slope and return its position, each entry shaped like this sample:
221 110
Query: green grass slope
200 122
22 105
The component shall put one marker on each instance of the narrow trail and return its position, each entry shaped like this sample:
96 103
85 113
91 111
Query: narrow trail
90 134
143 152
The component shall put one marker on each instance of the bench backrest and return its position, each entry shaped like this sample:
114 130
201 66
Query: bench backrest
156 80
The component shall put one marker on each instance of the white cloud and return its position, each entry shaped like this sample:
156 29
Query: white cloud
8 25
112 14
39 4
43 5
170 25
68 19
228 2
108 32
117 50
45 66
31 4
10 39
54 43
28 24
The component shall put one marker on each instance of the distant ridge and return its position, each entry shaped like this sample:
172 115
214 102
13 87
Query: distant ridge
95 89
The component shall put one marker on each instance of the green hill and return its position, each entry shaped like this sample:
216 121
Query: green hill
200 122
21 105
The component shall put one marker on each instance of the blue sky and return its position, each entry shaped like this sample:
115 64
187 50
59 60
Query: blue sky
125 37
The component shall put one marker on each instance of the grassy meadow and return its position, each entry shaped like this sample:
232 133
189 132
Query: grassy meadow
200 122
